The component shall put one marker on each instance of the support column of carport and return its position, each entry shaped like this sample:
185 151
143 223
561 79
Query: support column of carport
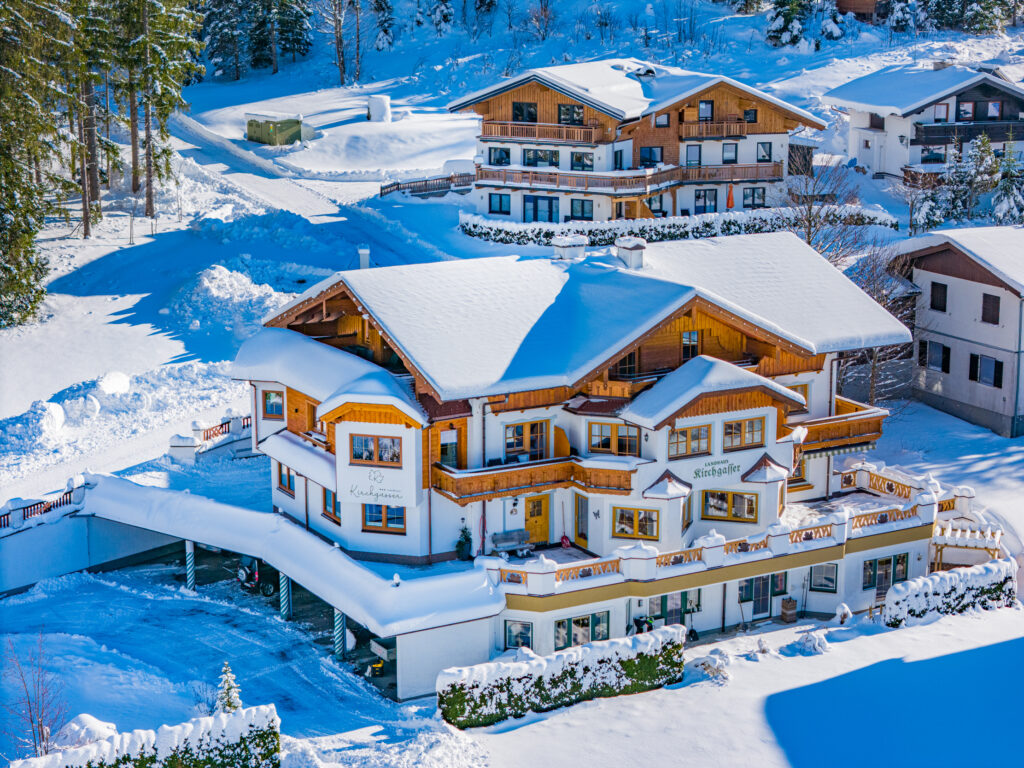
340 635
190 566
284 595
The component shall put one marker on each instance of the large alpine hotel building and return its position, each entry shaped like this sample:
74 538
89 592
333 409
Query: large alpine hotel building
670 410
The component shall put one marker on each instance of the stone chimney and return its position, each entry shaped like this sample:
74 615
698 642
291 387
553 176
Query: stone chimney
569 246
631 251
364 256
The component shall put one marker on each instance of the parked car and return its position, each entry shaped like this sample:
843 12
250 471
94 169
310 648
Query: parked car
255 575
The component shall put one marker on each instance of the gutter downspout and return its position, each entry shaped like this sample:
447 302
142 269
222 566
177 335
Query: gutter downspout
1016 380
831 412
430 498
305 501
255 420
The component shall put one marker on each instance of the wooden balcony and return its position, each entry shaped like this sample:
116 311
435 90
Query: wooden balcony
718 130
635 182
547 132
947 133
433 186
466 485
853 424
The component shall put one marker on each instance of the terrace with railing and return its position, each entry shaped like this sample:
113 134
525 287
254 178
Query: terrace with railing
21 514
639 182
853 424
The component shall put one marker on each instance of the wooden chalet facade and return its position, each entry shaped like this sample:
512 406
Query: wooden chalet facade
622 138
674 436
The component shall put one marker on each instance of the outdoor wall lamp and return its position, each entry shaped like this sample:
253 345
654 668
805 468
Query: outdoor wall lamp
903 140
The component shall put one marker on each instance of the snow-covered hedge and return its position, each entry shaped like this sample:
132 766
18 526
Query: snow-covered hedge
987 586
492 692
247 738
654 230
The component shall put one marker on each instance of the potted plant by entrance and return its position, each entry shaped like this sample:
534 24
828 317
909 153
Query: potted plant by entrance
464 546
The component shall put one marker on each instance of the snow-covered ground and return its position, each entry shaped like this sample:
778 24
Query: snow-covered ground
132 646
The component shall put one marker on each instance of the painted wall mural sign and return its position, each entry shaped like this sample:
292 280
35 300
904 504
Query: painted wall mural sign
715 469
374 491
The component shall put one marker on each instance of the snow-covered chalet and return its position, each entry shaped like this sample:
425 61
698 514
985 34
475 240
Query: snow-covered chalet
906 119
645 433
628 139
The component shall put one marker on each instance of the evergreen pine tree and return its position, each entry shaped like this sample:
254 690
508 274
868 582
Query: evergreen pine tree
442 15
229 695
419 19
384 12
982 17
833 23
30 98
955 193
296 31
983 169
901 17
224 33
263 33
1008 200
785 22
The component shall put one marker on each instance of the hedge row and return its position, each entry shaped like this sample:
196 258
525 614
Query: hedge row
654 230
988 586
248 738
489 693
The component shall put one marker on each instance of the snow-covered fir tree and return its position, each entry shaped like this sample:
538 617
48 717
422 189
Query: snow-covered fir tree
982 17
229 695
225 29
295 31
785 22
983 171
441 16
263 34
384 13
954 194
901 17
1008 199
833 23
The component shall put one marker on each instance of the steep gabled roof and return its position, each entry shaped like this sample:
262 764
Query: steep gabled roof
491 326
626 89
903 89
703 375
1000 250
326 374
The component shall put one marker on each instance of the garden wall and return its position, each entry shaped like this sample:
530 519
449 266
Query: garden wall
987 586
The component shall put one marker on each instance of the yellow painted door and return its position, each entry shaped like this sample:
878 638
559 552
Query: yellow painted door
537 518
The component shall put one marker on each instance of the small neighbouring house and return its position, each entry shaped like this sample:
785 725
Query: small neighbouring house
669 410
627 139
273 128
969 323
906 119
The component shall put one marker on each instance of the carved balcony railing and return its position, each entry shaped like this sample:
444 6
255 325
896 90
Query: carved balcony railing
853 424
563 134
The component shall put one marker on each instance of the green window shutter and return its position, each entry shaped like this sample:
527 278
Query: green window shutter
997 375
922 354
945 359
972 368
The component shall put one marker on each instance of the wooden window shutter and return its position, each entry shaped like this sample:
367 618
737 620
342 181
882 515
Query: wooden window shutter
945 359
997 375
922 353
972 371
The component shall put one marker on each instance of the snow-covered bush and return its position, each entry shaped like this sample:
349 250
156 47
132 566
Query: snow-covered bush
657 230
495 691
1008 200
833 23
901 17
785 22
247 738
987 586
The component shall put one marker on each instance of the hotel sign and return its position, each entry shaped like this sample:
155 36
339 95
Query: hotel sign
716 469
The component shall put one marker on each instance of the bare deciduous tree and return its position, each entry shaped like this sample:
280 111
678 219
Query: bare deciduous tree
821 215
333 15
913 195
37 709
541 18
880 273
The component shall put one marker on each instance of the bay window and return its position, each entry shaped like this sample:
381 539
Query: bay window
376 450
732 506
633 523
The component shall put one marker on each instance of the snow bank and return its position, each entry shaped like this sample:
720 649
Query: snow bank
987 586
521 682
221 298
743 222
83 729
222 739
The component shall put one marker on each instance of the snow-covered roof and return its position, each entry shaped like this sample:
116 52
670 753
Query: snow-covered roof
699 376
332 376
625 88
495 325
273 116
998 249
765 470
668 486
292 451
902 89
324 570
